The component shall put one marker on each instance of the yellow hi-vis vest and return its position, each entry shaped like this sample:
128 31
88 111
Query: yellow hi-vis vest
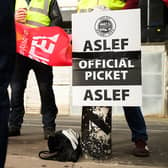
21 4
37 14
91 4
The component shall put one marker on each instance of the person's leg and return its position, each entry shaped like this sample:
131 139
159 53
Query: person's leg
4 113
137 125
6 68
49 109
18 85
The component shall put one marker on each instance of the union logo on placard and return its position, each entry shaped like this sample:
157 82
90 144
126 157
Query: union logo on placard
105 26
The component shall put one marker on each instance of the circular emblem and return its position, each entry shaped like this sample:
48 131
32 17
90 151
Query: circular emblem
105 26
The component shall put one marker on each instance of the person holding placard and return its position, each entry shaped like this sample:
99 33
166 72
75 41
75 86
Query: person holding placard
34 13
133 115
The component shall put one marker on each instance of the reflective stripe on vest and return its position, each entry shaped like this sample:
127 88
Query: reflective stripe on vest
111 4
37 14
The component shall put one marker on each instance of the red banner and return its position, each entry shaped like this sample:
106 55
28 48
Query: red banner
48 45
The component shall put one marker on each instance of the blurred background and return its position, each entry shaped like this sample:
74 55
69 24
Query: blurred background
154 36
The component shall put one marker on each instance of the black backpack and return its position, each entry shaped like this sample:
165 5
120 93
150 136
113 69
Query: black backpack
63 146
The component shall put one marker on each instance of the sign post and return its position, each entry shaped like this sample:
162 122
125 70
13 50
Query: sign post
106 72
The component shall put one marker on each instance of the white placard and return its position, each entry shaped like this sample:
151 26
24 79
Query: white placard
107 95
125 24
111 35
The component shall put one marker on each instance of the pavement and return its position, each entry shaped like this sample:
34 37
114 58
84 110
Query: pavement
23 150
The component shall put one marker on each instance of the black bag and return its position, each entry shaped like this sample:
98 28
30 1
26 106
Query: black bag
64 146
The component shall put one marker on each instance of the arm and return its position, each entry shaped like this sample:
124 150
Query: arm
131 4
55 14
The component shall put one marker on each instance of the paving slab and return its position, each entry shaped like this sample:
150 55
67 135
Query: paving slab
23 150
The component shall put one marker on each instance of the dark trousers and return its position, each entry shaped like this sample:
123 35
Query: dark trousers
6 67
4 112
44 79
136 123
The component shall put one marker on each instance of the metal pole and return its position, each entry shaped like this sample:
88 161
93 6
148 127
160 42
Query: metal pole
96 132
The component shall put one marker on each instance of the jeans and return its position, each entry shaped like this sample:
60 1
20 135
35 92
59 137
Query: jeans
44 78
136 123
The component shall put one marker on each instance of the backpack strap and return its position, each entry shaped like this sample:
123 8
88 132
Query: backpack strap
46 155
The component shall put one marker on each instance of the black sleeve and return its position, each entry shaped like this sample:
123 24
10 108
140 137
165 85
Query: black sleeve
7 29
55 14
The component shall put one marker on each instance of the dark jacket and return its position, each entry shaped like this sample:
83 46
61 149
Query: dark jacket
131 4
7 41
7 27
55 14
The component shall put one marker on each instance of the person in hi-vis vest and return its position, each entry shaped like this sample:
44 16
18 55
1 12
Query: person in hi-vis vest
133 115
34 13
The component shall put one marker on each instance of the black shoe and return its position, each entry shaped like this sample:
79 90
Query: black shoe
49 131
13 131
141 149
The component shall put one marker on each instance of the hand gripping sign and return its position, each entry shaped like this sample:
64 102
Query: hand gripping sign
48 45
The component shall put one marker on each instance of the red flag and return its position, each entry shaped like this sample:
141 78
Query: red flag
48 45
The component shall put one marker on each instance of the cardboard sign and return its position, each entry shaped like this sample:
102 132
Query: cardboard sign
106 58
